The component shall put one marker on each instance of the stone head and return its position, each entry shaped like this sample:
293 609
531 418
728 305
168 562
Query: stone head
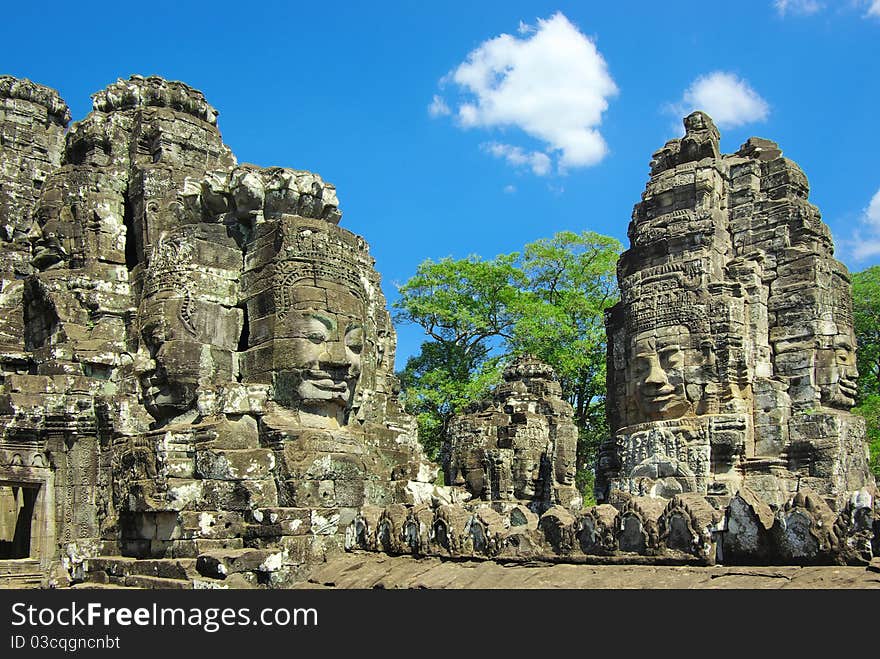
698 121
526 473
168 382
476 472
701 138
323 343
660 361
313 325
187 335
836 371
565 460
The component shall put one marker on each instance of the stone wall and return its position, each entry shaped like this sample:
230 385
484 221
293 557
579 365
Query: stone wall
195 357
731 357
731 375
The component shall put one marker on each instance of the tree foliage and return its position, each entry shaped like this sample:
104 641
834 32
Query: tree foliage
462 303
870 409
571 282
548 301
466 307
441 381
866 318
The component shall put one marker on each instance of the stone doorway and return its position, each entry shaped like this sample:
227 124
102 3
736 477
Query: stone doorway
17 520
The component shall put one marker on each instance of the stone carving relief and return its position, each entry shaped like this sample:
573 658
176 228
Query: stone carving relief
230 345
734 318
197 363
519 447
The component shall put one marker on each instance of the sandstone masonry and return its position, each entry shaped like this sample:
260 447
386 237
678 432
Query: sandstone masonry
197 362
197 372
731 376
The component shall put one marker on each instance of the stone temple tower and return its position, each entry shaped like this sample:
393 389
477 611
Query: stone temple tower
194 356
731 355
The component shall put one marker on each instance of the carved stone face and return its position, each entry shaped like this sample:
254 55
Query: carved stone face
658 363
469 471
527 472
322 356
565 467
186 344
188 322
695 122
836 372
168 381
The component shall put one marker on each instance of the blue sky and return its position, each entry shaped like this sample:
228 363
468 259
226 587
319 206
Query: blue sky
446 138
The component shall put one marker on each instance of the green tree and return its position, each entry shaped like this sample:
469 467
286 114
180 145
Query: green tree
866 318
560 320
466 307
548 301
441 381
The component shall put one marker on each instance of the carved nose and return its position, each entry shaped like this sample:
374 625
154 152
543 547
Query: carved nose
656 375
335 354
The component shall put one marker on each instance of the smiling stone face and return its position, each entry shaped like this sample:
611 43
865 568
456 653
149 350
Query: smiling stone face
658 365
733 338
323 358
836 372
313 328
187 320
168 389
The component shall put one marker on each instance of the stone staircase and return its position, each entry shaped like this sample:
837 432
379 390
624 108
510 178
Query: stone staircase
157 573
20 573
218 569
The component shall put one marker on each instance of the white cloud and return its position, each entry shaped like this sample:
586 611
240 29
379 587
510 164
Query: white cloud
525 28
509 189
810 7
552 84
872 212
867 244
802 7
537 161
438 107
729 100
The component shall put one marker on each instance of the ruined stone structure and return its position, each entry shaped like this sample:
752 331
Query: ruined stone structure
731 354
731 376
195 357
521 446
197 372
731 360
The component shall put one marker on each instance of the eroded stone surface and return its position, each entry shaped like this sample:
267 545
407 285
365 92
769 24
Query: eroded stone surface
195 357
520 446
198 383
731 375
362 570
732 353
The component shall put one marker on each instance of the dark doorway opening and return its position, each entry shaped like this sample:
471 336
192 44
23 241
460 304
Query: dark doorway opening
17 504
244 337
131 247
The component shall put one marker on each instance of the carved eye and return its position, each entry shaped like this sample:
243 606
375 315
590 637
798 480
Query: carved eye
316 337
642 367
354 340
671 358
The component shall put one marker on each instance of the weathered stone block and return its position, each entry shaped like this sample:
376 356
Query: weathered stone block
234 464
